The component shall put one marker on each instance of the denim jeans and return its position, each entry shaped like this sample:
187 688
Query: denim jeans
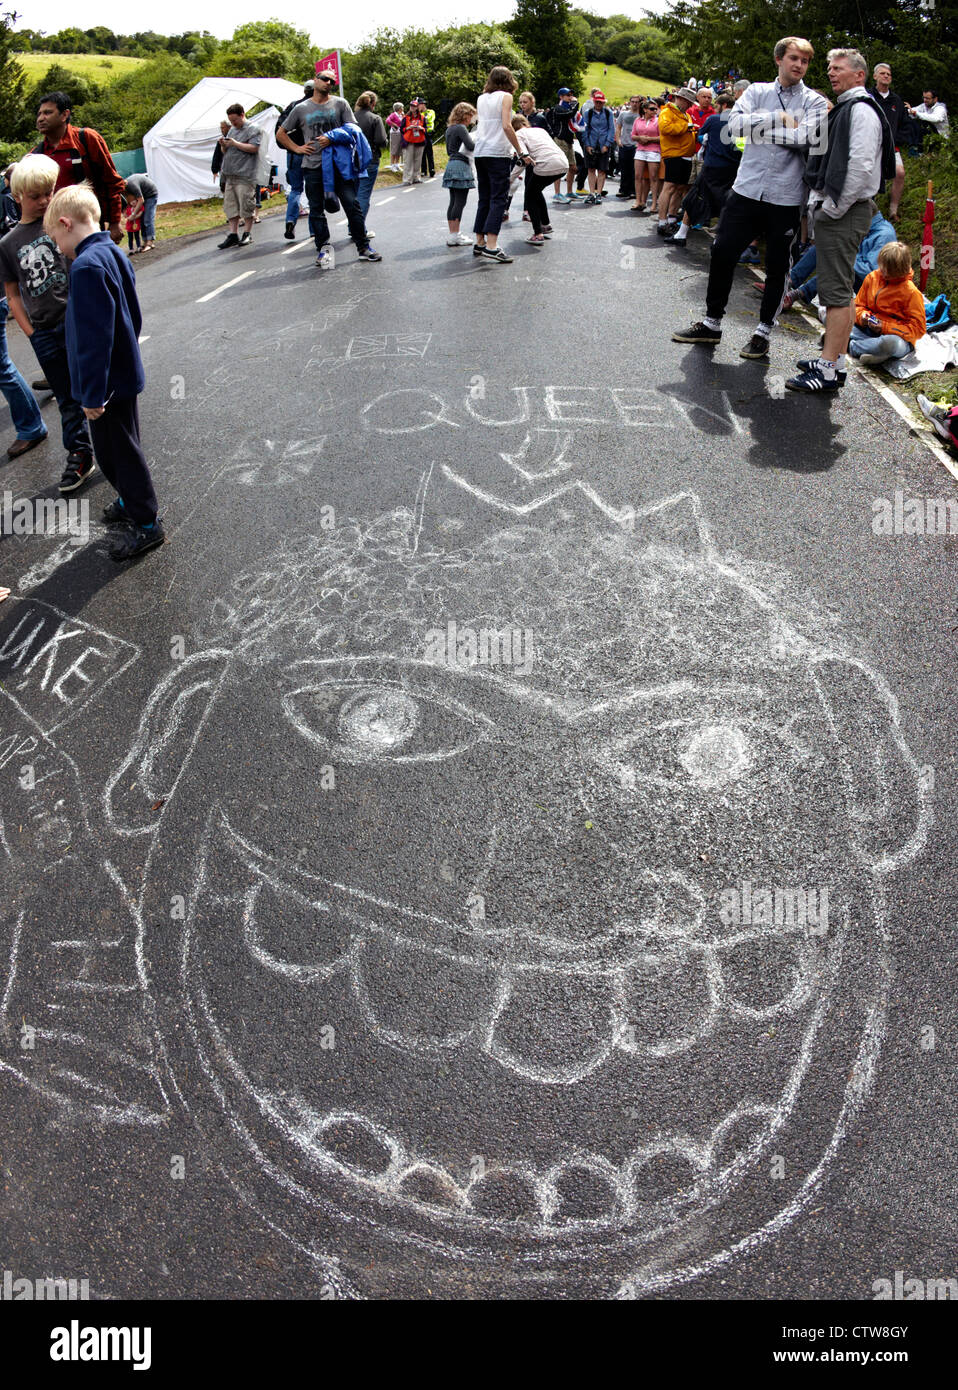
294 181
366 182
347 195
49 344
492 183
149 219
24 411
887 346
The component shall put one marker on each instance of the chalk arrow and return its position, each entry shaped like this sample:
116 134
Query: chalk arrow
561 440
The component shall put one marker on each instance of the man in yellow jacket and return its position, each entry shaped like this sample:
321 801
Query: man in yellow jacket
677 141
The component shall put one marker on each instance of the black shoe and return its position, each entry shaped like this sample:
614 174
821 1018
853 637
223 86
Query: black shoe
682 242
41 385
497 255
669 229
620 194
756 349
23 446
76 474
808 364
231 240
245 239
478 250
81 457
812 381
290 232
698 333
116 514
135 540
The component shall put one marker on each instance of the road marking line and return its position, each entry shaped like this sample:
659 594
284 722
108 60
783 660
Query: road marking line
383 201
143 338
235 281
298 247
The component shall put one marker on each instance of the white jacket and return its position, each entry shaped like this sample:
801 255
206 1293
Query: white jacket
549 161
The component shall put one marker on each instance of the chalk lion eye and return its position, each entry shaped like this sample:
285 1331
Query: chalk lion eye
716 755
381 722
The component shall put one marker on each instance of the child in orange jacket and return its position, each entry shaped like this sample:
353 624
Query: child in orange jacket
889 309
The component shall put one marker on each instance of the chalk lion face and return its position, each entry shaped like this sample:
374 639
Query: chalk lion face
480 995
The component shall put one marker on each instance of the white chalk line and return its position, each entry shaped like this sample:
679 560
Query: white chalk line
229 284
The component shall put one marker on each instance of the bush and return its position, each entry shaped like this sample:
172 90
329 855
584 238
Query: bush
940 164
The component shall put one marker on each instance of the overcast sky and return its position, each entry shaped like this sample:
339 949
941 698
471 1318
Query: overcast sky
343 30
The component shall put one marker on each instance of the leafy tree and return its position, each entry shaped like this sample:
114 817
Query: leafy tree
452 63
265 48
544 28
465 55
79 88
128 107
11 75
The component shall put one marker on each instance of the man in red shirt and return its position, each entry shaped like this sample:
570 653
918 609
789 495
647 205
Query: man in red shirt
80 155
703 108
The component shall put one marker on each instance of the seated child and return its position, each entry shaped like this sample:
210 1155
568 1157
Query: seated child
889 309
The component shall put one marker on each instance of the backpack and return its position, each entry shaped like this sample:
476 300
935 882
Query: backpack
283 114
76 158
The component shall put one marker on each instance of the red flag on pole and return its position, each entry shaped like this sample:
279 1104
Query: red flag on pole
928 239
332 64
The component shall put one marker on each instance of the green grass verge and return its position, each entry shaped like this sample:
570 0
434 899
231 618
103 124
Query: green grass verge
99 67
617 83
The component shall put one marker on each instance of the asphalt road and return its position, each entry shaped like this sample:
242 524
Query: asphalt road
502 846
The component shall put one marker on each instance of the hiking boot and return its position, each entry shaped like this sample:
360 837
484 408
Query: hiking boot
290 232
76 474
231 240
698 333
135 540
756 349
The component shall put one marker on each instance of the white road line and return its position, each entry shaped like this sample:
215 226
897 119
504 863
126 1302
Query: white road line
235 281
383 201
298 247
143 338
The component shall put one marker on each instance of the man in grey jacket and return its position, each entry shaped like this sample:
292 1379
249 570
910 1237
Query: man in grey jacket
779 121
844 179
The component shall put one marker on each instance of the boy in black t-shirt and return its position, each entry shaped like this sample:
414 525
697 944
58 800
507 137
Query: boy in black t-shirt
35 281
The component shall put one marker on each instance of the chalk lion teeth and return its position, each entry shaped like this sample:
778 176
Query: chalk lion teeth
767 975
420 998
553 1027
668 1002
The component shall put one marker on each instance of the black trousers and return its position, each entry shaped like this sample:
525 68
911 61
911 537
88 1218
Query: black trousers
535 203
457 204
428 158
347 191
492 186
627 170
742 220
116 443
580 170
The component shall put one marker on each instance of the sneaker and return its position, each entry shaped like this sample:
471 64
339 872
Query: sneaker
809 364
453 240
749 257
369 234
135 540
669 229
368 254
478 250
590 201
115 514
756 349
41 384
505 217
536 240
497 255
603 194
560 198
526 217
620 194
231 240
811 381
937 414
325 260
872 359
547 231
698 333
245 240
290 232
76 474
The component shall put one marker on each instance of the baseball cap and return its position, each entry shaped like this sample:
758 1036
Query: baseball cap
599 96
563 92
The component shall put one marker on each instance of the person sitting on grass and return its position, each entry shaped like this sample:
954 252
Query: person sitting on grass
889 309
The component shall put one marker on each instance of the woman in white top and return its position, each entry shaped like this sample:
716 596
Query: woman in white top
495 144
548 162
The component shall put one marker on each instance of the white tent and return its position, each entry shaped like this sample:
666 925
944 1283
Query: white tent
179 148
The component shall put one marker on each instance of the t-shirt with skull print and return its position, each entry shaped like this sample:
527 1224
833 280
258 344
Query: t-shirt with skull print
29 257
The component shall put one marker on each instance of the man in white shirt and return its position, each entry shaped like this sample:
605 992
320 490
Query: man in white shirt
844 179
780 121
932 111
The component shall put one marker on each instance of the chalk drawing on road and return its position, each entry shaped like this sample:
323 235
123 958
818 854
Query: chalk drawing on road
271 464
690 723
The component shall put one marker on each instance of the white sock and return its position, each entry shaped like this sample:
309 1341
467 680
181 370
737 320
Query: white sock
663 222
682 233
841 363
827 369
764 329
714 324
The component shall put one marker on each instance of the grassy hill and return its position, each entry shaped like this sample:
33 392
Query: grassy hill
617 83
99 67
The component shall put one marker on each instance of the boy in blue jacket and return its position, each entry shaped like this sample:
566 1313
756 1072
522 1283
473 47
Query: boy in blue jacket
103 322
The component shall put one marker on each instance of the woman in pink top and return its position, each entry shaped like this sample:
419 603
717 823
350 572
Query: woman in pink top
645 134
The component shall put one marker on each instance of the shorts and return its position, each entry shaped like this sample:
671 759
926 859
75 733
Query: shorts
647 156
837 240
596 159
899 162
238 199
566 147
678 170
